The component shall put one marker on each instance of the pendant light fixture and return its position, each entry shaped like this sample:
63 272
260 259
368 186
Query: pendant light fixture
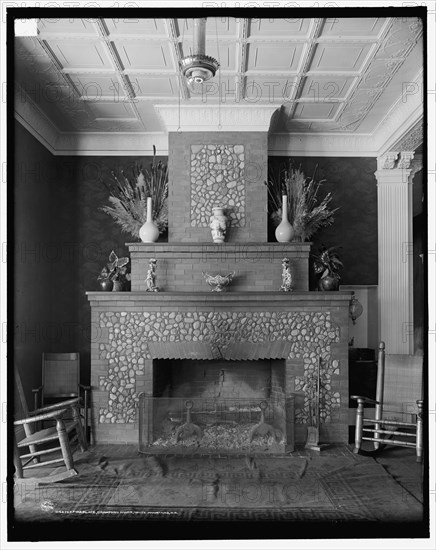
199 67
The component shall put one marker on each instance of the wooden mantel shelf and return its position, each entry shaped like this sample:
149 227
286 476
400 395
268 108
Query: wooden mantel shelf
228 298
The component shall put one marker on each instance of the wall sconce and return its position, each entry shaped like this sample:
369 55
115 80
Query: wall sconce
355 309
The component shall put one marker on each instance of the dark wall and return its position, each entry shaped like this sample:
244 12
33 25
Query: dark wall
41 305
354 188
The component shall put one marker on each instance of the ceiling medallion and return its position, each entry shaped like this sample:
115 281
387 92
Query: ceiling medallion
199 67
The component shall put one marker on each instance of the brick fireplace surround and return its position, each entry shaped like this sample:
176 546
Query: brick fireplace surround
252 323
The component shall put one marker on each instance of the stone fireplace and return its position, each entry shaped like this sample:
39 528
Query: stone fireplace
226 353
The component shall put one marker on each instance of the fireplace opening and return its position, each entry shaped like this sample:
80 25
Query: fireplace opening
215 406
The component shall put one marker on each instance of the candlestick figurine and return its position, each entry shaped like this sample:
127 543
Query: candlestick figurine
286 276
151 277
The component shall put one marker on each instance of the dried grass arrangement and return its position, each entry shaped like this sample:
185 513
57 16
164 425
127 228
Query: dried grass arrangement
305 213
128 197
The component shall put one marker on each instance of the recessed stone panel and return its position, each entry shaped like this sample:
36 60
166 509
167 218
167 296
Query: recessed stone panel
217 179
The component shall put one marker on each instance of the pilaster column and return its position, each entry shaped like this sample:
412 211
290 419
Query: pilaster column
395 251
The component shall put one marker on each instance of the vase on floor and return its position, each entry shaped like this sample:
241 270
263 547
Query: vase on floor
149 233
284 231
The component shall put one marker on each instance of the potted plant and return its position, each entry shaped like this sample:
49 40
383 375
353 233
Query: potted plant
304 211
327 263
115 275
128 197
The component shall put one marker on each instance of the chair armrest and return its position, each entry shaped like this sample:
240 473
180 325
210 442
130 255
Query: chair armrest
39 417
61 405
363 399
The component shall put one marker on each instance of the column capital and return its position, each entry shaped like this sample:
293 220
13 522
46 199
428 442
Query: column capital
395 167
395 160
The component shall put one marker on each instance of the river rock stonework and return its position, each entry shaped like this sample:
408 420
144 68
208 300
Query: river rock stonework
311 335
217 179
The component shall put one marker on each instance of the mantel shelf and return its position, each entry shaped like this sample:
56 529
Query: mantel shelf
227 298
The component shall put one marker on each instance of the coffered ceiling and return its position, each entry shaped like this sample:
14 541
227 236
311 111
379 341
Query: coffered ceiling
337 76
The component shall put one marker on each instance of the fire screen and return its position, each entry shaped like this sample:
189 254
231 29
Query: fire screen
185 425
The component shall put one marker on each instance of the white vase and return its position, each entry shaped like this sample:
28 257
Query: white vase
284 231
149 233
218 225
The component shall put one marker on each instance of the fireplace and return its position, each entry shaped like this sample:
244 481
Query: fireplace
220 360
229 401
189 346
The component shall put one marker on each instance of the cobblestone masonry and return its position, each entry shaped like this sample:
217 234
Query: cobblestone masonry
217 179
311 335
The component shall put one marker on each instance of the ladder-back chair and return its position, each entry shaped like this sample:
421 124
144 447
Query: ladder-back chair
64 437
60 381
387 426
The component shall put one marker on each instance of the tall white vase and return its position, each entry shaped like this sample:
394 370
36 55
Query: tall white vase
284 231
149 233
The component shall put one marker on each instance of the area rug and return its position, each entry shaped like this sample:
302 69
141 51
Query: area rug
175 488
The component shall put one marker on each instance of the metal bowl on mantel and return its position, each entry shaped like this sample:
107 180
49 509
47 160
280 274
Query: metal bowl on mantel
218 283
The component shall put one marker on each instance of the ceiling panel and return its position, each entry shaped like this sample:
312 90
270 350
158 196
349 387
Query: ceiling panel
83 54
112 109
359 26
143 55
316 110
154 86
325 87
339 57
144 27
271 89
67 26
274 57
288 28
96 86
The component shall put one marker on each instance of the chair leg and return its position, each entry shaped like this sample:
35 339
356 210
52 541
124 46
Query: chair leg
65 444
419 433
17 462
80 436
359 427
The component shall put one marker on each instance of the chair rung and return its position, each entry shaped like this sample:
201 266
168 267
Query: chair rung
390 442
389 422
46 463
37 453
375 430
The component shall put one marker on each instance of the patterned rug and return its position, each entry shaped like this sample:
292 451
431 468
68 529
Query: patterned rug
175 488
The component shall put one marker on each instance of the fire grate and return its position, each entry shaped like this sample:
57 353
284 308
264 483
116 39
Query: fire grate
182 425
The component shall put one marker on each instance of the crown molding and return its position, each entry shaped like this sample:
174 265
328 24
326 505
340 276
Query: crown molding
34 120
406 115
105 144
212 118
321 145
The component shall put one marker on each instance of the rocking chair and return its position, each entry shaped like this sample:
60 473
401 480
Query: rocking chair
64 436
383 431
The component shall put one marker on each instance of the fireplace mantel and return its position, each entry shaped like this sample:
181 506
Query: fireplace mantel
226 299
